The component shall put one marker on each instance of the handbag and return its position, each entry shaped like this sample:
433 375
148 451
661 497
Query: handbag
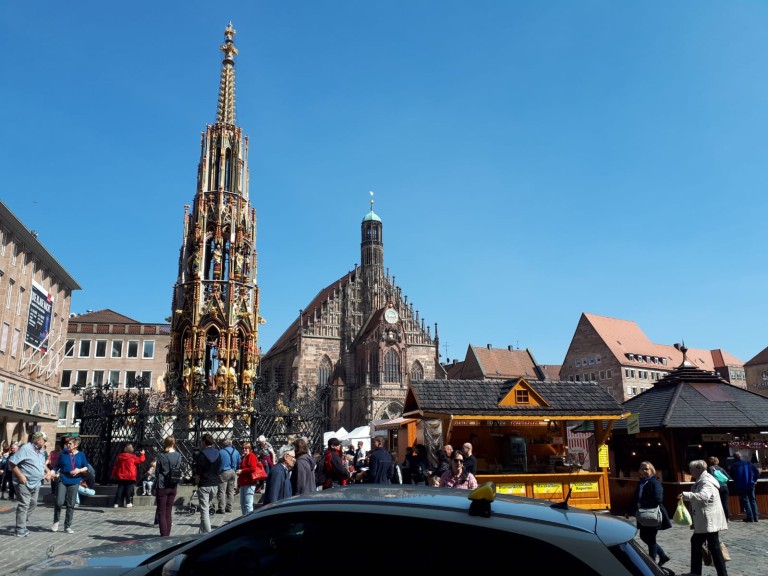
720 477
258 473
682 517
706 555
649 517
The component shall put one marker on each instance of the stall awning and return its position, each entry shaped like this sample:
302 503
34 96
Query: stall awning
392 424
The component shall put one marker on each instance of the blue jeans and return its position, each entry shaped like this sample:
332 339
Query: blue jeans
246 499
749 503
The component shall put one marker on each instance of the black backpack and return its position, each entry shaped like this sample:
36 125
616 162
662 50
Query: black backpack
174 476
319 473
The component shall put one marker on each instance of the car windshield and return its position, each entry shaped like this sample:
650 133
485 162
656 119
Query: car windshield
633 557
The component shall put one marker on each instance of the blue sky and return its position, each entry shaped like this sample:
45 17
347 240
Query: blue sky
531 160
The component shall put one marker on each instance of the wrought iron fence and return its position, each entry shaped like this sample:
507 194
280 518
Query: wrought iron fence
144 419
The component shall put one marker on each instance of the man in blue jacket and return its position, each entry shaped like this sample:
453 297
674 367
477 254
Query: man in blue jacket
745 475
279 479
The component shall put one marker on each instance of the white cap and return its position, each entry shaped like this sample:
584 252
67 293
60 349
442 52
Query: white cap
261 438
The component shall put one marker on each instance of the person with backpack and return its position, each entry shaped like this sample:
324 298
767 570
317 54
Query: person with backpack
167 466
230 461
721 476
334 471
207 466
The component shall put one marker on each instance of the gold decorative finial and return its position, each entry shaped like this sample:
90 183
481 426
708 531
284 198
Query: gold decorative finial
371 193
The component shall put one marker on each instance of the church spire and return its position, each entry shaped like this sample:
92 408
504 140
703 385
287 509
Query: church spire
226 110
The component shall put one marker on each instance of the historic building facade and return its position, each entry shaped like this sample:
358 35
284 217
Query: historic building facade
617 354
214 323
35 293
359 339
108 351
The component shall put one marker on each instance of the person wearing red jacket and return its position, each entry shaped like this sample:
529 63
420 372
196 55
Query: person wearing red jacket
124 471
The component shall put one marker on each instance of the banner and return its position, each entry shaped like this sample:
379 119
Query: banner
39 319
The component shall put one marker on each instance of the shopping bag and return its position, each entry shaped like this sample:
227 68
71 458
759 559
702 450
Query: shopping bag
682 517
726 554
706 555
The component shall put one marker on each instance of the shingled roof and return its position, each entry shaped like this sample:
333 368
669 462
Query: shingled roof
490 398
690 397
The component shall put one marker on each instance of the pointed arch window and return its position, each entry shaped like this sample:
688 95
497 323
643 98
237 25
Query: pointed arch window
228 170
391 366
374 367
324 372
417 372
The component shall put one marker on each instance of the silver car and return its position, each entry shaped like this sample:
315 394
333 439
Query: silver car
407 529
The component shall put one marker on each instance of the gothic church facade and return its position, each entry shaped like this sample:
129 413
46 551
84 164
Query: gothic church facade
359 340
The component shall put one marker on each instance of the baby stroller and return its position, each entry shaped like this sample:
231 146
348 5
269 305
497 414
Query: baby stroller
194 501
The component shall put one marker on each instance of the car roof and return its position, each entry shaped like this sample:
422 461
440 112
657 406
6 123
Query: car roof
421 500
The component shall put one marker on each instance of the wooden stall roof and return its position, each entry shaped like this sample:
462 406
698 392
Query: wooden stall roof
690 397
501 400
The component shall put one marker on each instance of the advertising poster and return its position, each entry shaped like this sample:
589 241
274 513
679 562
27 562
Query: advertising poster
39 319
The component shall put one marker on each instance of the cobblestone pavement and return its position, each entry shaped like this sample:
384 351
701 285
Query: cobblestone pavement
747 542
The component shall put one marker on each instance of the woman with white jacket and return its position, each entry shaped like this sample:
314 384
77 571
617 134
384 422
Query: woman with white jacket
708 517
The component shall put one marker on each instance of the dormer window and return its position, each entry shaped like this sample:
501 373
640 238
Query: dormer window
521 396
631 357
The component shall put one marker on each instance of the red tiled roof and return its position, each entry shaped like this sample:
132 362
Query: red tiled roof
625 337
505 363
105 316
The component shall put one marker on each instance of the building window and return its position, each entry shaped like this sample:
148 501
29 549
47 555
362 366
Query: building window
130 378
2 385
101 349
391 366
578 362
578 378
521 396
602 374
597 358
324 372
149 349
47 404
4 337
81 378
98 378
608 374
11 393
634 390
66 377
570 378
114 378
85 349
9 296
69 349
20 398
592 376
133 349
417 372
63 409
15 341
18 300
629 390
117 348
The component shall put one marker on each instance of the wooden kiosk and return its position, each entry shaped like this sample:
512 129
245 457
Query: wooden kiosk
519 433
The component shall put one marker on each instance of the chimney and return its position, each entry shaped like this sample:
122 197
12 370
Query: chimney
489 347
509 348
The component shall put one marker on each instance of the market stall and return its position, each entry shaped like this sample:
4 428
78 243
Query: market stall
519 432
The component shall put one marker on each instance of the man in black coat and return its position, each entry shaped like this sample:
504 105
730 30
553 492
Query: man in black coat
379 464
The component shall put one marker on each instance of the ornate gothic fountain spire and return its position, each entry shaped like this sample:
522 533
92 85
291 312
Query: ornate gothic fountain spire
214 327
226 110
